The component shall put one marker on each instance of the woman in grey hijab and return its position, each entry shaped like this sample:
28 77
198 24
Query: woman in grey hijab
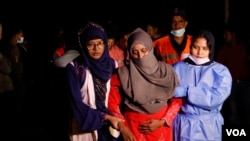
144 88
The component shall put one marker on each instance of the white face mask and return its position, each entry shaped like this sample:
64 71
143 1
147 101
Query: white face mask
199 61
178 33
21 40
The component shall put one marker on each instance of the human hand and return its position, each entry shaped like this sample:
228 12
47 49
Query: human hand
126 133
114 121
150 125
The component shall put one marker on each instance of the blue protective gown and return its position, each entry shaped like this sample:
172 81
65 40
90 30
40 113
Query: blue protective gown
204 90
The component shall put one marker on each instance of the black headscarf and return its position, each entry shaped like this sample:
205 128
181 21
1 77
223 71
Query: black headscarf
101 68
210 41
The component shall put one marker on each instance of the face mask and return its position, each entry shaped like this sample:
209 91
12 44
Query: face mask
178 33
199 61
21 40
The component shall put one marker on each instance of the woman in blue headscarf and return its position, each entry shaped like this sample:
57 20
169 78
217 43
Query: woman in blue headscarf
88 76
204 86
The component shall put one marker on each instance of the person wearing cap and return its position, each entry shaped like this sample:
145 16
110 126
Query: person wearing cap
174 47
88 74
144 88
204 91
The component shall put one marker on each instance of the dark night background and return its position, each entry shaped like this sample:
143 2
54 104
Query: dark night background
46 105
39 17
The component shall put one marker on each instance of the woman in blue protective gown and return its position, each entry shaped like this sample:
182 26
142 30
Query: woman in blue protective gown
204 86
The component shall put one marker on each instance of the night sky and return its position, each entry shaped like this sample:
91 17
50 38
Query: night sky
40 18
126 13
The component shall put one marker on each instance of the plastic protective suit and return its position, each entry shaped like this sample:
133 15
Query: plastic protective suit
204 88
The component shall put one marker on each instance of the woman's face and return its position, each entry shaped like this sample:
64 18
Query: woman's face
199 48
95 48
138 51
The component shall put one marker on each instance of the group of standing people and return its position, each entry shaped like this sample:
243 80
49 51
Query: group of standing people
169 89
164 87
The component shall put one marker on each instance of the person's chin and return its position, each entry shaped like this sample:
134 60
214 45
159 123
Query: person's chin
96 56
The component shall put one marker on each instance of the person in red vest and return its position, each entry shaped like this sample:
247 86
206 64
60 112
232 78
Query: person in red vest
174 47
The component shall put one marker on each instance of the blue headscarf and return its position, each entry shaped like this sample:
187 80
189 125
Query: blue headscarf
101 68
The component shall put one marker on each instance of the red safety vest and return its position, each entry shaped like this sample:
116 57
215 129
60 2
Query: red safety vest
166 51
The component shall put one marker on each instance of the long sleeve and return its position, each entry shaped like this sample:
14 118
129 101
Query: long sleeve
208 97
180 91
173 109
88 119
115 99
207 86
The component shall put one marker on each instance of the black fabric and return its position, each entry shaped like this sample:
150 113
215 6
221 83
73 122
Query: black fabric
104 134
100 92
177 47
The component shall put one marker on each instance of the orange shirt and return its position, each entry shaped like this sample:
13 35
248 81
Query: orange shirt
164 49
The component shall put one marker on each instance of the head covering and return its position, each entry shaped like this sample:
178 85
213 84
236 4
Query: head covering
178 12
147 82
101 68
210 41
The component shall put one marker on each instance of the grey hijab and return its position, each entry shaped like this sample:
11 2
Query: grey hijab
147 82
